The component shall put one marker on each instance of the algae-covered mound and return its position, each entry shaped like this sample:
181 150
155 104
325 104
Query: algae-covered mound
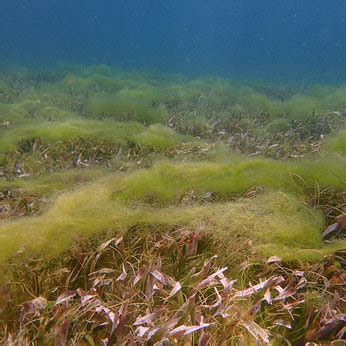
269 224
337 143
122 134
101 106
275 222
166 183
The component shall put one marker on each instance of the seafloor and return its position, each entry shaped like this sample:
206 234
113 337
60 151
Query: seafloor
118 190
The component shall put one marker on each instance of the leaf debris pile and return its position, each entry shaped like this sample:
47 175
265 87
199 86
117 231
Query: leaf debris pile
120 293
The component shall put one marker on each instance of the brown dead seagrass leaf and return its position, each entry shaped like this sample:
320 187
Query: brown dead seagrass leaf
65 297
105 245
86 297
227 284
153 332
175 290
335 229
272 281
33 308
102 271
184 330
256 331
255 309
123 275
94 262
60 333
185 310
119 323
328 330
267 297
204 339
191 245
149 286
101 281
163 278
283 323
274 259
108 312
145 319
140 274
208 264
218 300
210 279
142 331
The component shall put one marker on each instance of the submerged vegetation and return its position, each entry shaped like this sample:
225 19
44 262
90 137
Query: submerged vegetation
174 171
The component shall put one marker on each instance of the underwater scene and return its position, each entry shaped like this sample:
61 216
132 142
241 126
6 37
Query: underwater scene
172 173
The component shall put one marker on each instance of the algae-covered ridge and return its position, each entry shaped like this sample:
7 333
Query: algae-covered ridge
276 221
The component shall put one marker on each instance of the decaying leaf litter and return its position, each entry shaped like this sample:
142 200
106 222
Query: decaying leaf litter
119 292
103 128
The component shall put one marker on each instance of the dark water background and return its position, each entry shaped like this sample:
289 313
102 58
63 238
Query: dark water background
275 39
